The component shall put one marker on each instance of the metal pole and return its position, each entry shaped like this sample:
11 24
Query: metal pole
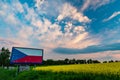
18 69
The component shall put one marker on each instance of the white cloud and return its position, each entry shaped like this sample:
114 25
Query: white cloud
30 15
68 10
79 29
48 32
49 7
38 3
12 42
112 36
80 37
19 33
8 12
115 55
94 4
102 56
17 6
112 16
42 32
11 19
60 17
77 36
108 55
25 32
2 13
85 5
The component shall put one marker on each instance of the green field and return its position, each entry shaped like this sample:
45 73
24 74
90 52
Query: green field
102 71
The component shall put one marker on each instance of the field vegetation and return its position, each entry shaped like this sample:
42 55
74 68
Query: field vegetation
100 71
101 68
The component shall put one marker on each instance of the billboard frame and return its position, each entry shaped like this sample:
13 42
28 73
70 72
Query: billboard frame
28 63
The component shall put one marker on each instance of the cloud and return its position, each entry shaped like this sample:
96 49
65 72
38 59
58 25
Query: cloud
48 7
68 10
77 36
116 55
5 41
11 13
38 3
89 49
17 6
94 4
50 32
33 28
13 18
101 56
25 32
9 43
110 36
112 16
30 28
85 5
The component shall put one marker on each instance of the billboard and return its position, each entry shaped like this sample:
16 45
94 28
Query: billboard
21 55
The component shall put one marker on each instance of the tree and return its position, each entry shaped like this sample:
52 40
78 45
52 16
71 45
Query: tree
50 62
72 61
95 61
4 57
89 61
111 61
66 61
104 61
80 61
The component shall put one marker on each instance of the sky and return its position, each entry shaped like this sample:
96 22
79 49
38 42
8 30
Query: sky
80 29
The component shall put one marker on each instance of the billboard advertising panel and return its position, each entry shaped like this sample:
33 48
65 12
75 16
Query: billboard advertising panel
21 55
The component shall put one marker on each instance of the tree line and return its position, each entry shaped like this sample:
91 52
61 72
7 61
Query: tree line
4 57
69 61
74 61
5 60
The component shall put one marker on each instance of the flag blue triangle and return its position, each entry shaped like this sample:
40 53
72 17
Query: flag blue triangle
16 54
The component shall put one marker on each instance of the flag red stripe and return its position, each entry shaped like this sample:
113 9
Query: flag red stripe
29 59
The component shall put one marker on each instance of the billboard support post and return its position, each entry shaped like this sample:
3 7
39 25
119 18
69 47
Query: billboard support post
17 71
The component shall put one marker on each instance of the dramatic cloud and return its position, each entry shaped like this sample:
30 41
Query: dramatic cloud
89 49
44 31
59 27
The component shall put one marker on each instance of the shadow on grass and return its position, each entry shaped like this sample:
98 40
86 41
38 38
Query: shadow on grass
49 75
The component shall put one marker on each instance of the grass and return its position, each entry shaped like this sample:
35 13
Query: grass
7 74
105 71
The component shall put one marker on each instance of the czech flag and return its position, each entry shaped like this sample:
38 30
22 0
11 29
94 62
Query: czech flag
26 56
